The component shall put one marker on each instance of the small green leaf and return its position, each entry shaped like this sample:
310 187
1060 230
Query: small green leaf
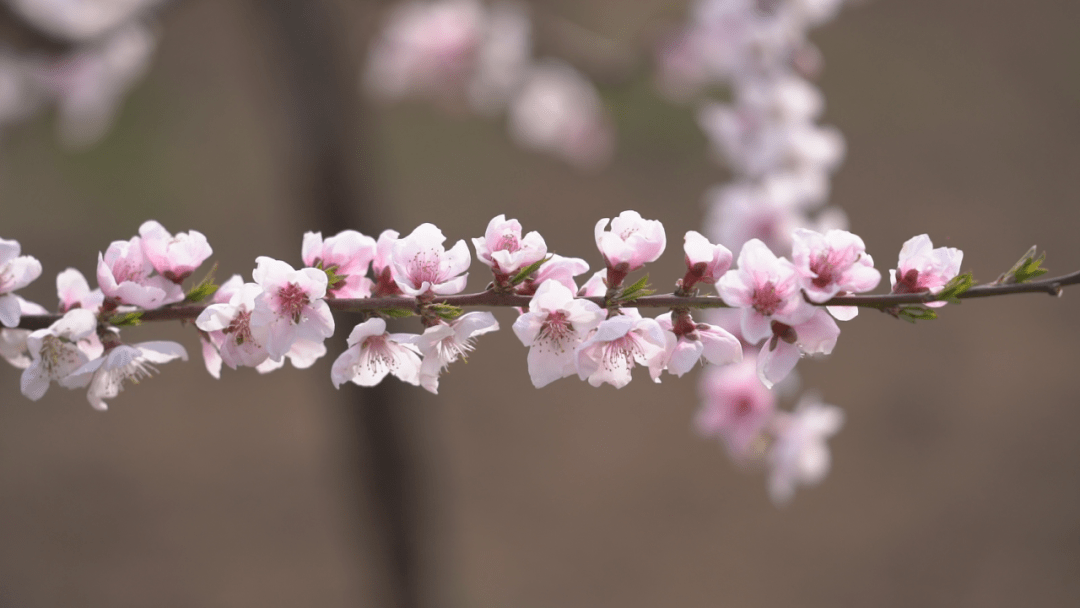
958 285
397 313
128 319
638 285
205 288
916 313
641 293
524 273
447 311
1024 270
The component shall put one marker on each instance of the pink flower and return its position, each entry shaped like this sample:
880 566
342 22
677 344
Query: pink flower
347 255
382 267
618 343
736 406
302 354
767 289
631 243
174 257
705 262
16 272
55 353
106 374
124 275
229 328
687 343
557 268
925 269
554 327
831 264
816 335
505 251
596 286
443 344
74 292
423 267
373 353
291 305
799 455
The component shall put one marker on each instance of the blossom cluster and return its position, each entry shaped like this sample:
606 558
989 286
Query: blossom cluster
465 53
109 48
591 331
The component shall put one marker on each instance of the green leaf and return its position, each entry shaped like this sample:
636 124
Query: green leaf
641 293
958 285
524 273
447 311
1025 269
397 313
204 289
916 313
128 319
638 285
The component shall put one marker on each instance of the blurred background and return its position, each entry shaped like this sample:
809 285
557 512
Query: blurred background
955 480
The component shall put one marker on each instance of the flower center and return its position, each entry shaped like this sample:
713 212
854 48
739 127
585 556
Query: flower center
765 299
620 353
292 300
240 327
555 332
508 242
742 408
825 271
908 282
424 269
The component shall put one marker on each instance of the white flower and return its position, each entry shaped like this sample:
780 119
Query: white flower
348 255
685 347
106 374
552 329
16 272
504 250
557 268
442 344
74 291
13 341
422 266
799 455
56 354
816 335
373 353
632 240
618 343
291 305
230 329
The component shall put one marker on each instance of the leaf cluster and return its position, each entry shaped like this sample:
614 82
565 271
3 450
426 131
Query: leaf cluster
1024 270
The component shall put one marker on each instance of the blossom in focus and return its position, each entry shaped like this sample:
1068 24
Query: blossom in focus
687 343
229 328
705 262
924 269
106 374
735 406
55 353
554 327
16 271
444 343
596 286
347 256
423 267
779 355
799 455
381 267
767 289
558 111
373 353
832 264
291 305
618 343
174 257
126 276
74 291
303 353
557 268
505 250
631 243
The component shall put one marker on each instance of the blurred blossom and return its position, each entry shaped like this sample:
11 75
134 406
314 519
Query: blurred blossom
799 454
80 20
503 58
559 111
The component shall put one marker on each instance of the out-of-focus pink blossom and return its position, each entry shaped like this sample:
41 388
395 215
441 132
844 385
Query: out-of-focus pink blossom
347 255
767 289
291 305
504 250
16 272
423 267
618 343
735 406
80 20
174 257
799 454
558 111
554 327
924 269
373 353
